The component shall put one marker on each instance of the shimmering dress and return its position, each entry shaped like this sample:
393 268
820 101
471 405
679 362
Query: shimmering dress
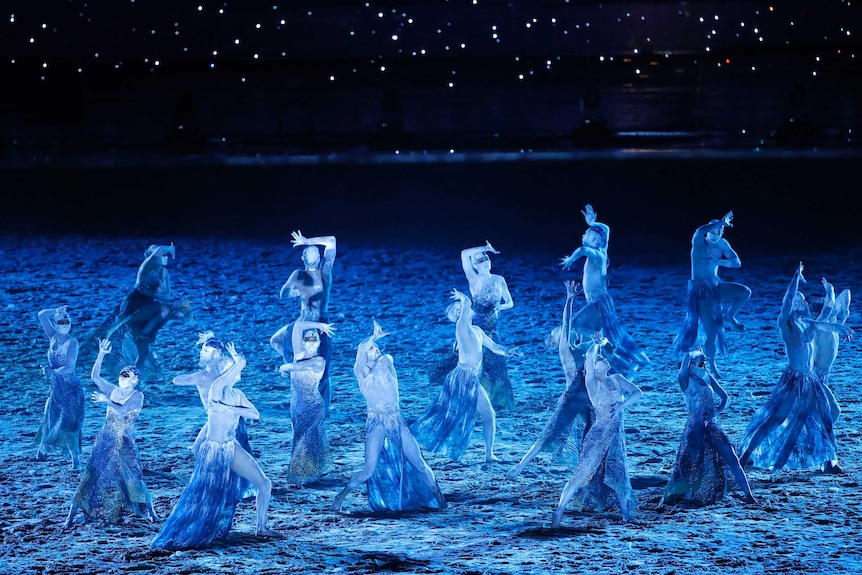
794 428
563 434
447 424
205 511
112 483
310 456
627 354
396 485
495 376
63 418
699 474
698 290
601 476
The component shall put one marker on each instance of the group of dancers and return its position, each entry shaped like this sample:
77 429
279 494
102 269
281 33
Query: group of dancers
794 428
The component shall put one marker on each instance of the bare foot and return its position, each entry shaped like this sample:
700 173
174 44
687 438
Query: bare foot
734 323
490 458
267 532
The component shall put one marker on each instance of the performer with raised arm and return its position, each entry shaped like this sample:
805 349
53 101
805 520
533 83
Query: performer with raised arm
395 473
149 306
794 428
310 455
601 478
826 343
113 481
206 508
490 295
447 424
599 313
706 292
573 415
705 454
213 363
312 286
63 417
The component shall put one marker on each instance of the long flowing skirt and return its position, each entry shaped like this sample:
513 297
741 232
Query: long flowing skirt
564 432
699 474
63 418
112 483
447 424
205 510
793 428
396 484
310 455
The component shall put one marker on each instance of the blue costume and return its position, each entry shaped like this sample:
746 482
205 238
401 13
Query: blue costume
205 510
700 290
63 418
794 428
310 455
602 476
447 424
626 352
699 474
495 376
570 421
396 485
113 483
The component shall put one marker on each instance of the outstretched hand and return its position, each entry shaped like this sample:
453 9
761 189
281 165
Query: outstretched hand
566 262
589 214
204 336
231 349
327 328
99 397
104 346
490 248
727 220
458 295
573 288
799 272
599 339
298 239
378 331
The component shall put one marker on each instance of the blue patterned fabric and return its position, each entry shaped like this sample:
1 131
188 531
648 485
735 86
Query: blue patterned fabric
699 290
563 434
396 485
63 418
793 428
112 484
310 455
447 424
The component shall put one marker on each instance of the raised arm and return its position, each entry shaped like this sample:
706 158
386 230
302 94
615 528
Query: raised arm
45 319
329 248
467 255
790 294
228 377
296 337
360 366
580 252
828 311
712 226
151 263
96 373
685 369
240 405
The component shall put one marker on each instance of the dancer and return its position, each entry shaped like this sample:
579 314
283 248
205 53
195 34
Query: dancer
599 313
310 456
572 417
706 292
835 310
490 295
447 424
794 428
601 478
63 418
395 473
149 306
705 454
312 286
214 363
205 510
112 483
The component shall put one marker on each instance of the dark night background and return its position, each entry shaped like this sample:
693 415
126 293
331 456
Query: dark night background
248 118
